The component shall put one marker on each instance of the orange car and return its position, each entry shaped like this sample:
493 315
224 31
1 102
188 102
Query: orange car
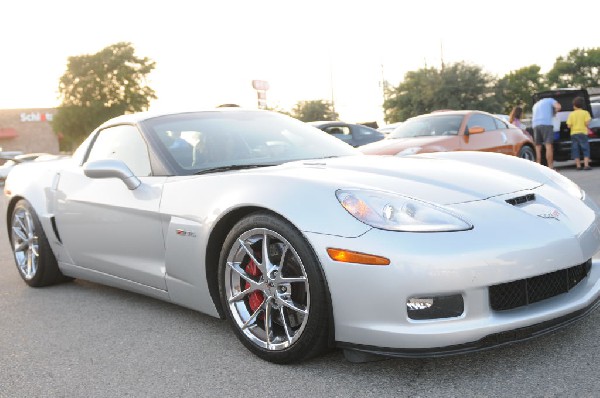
454 131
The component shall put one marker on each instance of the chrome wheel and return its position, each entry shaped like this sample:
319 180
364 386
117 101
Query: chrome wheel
267 289
25 243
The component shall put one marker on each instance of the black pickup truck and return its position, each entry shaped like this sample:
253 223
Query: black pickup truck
562 136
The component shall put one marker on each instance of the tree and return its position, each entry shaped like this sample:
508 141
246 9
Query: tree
457 86
311 111
414 96
98 87
518 86
463 86
580 68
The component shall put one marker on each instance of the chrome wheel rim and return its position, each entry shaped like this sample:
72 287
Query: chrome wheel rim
270 305
25 243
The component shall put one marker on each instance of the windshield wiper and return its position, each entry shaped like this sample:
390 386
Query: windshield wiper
232 167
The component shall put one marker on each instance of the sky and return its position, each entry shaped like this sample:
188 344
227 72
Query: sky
208 52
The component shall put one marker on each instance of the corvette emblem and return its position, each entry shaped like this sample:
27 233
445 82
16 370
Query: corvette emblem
181 232
553 214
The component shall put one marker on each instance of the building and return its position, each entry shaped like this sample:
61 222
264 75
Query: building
28 130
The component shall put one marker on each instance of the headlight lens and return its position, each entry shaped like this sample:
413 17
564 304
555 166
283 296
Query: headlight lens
399 213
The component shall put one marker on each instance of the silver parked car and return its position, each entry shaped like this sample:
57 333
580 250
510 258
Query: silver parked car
302 243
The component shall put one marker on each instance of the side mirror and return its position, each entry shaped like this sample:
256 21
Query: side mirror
111 168
475 130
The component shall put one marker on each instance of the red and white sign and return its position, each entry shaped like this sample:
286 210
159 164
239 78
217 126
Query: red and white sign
36 117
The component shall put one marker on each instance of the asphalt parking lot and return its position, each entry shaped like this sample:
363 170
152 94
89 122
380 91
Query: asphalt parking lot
82 339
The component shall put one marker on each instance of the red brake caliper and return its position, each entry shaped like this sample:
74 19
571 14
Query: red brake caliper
255 298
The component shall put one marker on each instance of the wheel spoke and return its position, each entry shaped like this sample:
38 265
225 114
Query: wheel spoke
240 296
20 246
290 304
250 253
19 220
266 263
19 232
235 266
252 320
34 250
284 320
297 279
286 248
268 324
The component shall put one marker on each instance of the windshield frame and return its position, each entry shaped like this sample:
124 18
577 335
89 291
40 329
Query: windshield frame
244 126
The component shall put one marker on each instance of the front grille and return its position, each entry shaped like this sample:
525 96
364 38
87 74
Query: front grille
515 294
521 199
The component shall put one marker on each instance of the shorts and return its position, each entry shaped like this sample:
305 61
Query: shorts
577 141
543 134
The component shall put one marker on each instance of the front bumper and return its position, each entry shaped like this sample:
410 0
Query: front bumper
369 303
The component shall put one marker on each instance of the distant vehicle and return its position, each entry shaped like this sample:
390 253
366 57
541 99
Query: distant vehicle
443 131
388 128
562 139
13 161
353 134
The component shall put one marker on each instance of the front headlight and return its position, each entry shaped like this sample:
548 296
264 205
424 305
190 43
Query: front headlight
399 213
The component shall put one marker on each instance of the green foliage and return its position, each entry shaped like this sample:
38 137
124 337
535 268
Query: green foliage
315 110
464 86
579 69
457 86
414 96
518 86
98 87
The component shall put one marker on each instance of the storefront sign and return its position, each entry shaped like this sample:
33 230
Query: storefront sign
36 117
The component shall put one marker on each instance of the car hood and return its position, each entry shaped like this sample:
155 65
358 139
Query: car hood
427 177
392 146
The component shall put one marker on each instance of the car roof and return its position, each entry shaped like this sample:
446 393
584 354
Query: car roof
141 116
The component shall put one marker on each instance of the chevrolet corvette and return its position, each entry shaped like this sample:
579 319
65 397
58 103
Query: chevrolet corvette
304 244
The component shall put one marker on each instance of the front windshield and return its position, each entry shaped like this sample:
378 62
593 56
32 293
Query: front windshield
193 142
428 126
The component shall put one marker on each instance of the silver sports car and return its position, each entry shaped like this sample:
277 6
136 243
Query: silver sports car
302 243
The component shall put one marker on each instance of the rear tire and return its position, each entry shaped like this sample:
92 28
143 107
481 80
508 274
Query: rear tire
273 291
33 256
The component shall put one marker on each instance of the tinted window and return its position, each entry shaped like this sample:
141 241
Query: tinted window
366 131
122 143
479 120
337 130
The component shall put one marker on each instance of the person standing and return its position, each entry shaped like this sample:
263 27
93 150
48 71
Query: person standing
543 130
515 117
578 122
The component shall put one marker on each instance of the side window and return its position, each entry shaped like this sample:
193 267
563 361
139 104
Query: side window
365 131
338 130
123 143
480 120
500 124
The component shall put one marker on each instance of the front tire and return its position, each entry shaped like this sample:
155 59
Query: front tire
273 291
527 153
33 256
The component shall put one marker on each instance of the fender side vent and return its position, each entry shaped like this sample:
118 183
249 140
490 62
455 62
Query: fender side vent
53 221
519 200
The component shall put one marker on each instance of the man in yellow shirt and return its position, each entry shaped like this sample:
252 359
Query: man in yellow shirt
578 123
